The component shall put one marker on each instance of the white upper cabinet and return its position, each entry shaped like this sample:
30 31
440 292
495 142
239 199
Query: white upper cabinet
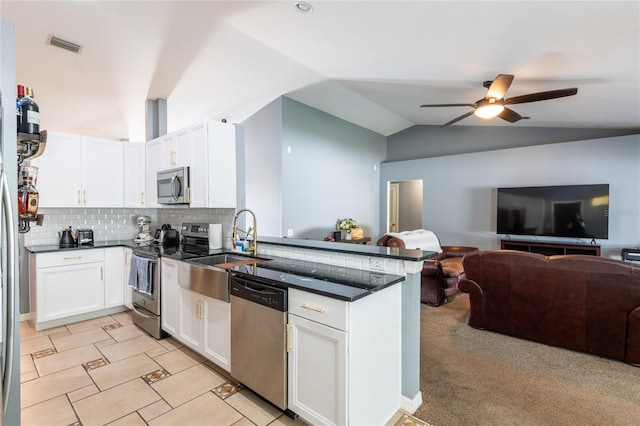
80 171
209 150
102 173
153 165
134 175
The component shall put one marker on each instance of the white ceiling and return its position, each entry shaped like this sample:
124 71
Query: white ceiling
369 62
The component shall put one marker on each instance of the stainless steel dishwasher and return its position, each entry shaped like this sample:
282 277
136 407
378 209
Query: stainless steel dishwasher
258 338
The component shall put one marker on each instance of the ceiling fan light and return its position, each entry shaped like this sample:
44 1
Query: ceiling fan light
489 110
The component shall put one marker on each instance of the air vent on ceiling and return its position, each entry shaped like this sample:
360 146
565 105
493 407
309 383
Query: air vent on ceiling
64 44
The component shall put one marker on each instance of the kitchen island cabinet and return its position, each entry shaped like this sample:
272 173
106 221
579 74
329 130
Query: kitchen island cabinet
344 358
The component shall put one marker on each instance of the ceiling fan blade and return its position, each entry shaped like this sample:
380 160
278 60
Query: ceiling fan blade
455 120
447 105
541 96
510 115
499 86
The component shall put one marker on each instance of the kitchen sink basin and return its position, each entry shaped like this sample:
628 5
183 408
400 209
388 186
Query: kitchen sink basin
202 276
220 259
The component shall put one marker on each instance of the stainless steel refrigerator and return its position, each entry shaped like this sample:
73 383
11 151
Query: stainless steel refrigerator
9 306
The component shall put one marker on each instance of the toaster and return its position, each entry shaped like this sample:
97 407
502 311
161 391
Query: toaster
84 237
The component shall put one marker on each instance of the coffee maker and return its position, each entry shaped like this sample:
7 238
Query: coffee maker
144 233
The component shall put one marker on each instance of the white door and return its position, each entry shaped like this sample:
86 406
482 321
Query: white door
170 306
317 382
114 283
394 193
102 173
217 331
59 178
134 175
199 167
153 159
191 319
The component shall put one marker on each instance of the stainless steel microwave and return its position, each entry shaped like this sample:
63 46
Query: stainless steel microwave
173 186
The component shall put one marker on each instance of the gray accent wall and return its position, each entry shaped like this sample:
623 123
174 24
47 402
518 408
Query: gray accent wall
305 169
459 192
435 141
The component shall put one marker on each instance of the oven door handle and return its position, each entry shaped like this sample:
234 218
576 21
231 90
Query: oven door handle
151 260
142 314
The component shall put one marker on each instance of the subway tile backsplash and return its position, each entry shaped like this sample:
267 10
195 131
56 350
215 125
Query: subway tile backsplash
110 224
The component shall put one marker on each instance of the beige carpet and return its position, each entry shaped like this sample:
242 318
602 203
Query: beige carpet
475 377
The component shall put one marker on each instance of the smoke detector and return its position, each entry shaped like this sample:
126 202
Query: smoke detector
63 44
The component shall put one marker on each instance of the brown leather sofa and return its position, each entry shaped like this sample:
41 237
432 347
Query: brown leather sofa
440 274
584 303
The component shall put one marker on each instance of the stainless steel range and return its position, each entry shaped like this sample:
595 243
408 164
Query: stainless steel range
145 274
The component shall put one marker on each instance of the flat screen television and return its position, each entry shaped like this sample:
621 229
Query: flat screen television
574 211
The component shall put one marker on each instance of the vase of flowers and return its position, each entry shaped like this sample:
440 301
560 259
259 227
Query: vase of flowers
346 224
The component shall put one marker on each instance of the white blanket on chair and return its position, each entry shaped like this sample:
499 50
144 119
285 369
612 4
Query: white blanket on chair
420 239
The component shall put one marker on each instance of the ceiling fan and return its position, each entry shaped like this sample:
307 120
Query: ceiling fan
494 104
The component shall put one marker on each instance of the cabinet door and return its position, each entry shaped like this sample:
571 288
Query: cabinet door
317 372
199 167
183 148
134 174
114 277
59 178
63 291
217 331
102 173
191 316
222 165
153 159
169 152
170 306
128 295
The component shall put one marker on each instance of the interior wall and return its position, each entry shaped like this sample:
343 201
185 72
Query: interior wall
410 205
461 208
330 170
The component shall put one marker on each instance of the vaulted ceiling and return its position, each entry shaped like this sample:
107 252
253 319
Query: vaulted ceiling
372 63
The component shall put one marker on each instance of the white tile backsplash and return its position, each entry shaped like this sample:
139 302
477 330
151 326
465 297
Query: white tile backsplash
110 224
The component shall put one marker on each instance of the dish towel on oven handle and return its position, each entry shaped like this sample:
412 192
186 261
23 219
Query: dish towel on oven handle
140 275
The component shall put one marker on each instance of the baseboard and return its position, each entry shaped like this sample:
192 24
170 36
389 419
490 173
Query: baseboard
25 317
411 405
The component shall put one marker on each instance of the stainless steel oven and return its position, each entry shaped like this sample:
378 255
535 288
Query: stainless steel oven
173 186
146 301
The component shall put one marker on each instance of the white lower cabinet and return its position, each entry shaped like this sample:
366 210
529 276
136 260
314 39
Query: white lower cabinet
114 283
202 323
317 372
75 285
170 301
344 358
128 295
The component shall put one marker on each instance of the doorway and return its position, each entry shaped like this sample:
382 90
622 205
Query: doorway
404 205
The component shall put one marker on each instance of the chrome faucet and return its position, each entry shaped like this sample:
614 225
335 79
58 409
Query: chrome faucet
253 246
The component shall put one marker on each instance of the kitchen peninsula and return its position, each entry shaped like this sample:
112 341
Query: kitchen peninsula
352 329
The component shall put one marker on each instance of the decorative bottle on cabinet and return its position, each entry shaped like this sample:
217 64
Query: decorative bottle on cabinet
28 197
29 117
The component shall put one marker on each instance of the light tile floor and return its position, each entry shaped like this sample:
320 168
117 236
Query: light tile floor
107 371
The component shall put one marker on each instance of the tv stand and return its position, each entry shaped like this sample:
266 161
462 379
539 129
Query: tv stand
550 249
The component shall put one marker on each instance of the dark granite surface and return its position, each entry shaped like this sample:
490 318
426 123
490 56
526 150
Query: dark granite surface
361 249
332 281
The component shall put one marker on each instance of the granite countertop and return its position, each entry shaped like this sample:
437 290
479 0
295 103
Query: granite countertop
337 282
360 249
332 281
98 244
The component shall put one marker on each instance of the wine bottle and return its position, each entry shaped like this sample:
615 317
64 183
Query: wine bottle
28 197
19 105
30 114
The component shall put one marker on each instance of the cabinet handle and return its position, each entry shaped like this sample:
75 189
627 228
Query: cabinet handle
172 158
72 257
289 347
78 197
142 198
101 273
84 193
311 308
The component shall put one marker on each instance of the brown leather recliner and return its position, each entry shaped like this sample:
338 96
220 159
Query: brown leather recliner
440 273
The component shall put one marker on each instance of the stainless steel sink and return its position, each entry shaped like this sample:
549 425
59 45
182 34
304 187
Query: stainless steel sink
204 277
218 259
